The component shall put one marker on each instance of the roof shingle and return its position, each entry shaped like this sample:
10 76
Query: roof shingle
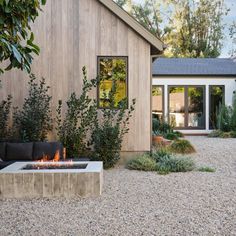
194 66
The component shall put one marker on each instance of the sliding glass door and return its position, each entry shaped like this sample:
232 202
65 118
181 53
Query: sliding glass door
187 107
177 106
217 97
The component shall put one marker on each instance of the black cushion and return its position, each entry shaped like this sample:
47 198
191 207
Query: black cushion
48 149
2 150
19 151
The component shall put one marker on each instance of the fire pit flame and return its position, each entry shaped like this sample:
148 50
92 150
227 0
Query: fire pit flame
47 158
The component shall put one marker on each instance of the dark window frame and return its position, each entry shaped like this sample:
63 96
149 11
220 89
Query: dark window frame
163 99
210 108
126 58
186 127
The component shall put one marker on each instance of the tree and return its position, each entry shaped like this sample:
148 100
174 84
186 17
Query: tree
233 37
121 2
196 28
16 38
190 28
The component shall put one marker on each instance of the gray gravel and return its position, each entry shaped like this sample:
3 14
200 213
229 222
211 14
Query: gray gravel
139 203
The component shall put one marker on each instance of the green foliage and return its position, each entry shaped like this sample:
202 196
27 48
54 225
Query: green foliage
5 108
189 28
233 114
224 118
196 28
226 121
16 39
33 121
167 164
215 134
110 127
161 152
122 3
206 169
221 134
232 34
160 127
162 161
73 129
182 146
143 163
233 134
171 136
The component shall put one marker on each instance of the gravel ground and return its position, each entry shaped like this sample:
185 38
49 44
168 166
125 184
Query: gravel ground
141 203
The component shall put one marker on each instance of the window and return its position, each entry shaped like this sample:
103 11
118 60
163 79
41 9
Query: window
187 106
157 101
113 74
177 106
196 103
217 97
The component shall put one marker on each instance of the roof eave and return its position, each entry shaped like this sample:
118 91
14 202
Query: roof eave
157 46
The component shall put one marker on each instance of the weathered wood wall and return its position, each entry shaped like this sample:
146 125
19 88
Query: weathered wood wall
72 34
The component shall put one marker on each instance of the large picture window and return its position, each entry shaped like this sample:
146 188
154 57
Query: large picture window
113 74
187 106
217 97
157 101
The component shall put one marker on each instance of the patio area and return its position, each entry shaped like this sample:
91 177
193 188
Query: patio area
141 203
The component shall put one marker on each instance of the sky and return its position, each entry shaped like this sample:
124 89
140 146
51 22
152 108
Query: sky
227 43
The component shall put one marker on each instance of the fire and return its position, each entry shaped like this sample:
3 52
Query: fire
56 156
47 158
55 161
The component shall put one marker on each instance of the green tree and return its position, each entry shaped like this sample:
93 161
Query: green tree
34 121
152 14
196 28
190 28
233 37
123 3
16 38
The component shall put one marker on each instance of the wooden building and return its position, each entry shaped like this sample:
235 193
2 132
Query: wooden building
77 33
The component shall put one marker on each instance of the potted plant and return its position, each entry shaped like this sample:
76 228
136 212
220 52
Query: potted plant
157 136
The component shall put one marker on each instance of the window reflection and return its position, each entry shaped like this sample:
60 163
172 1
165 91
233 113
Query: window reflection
216 98
196 117
177 106
157 102
186 106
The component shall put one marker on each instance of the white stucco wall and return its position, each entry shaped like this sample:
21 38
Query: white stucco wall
228 82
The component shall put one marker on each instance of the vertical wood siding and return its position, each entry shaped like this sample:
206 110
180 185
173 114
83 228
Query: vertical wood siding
71 35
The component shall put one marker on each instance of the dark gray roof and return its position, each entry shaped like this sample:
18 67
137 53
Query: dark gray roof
194 66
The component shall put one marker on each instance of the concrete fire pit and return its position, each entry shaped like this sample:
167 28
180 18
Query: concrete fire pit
28 179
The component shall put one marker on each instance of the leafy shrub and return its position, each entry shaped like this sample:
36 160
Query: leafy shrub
160 152
233 134
225 135
233 115
144 163
171 136
224 118
167 164
73 128
34 121
110 127
155 126
161 127
182 146
206 169
215 134
5 107
179 134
